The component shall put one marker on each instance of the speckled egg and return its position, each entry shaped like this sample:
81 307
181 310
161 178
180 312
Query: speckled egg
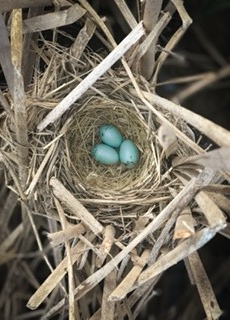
110 135
104 154
128 153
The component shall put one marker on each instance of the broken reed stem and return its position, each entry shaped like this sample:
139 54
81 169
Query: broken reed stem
97 72
151 14
218 134
204 287
178 203
19 96
64 225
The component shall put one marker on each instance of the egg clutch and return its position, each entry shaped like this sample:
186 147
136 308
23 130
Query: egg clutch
113 149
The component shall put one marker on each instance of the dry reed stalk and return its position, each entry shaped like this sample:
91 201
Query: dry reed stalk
204 287
75 94
53 20
127 14
151 14
5 56
184 227
75 206
20 113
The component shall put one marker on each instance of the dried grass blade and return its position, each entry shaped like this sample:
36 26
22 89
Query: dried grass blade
204 287
97 72
167 139
217 159
53 20
180 252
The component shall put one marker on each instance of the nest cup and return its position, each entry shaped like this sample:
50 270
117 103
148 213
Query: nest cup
104 181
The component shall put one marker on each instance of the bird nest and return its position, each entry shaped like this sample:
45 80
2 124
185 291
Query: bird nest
104 181
114 222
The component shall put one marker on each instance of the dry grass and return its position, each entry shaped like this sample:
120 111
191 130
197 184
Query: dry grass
108 227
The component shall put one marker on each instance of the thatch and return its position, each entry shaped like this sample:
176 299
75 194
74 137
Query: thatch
112 230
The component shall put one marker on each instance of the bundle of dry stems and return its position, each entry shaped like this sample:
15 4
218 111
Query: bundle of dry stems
112 231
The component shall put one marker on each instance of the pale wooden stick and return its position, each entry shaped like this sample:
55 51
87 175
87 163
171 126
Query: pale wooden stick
204 287
184 227
97 72
109 238
64 225
178 203
54 19
212 212
108 307
127 283
127 14
54 278
185 248
75 206
215 132
68 233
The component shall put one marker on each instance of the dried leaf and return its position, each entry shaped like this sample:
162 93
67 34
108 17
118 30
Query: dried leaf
167 139
217 159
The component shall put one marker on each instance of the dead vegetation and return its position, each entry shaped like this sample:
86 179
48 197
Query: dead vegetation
110 232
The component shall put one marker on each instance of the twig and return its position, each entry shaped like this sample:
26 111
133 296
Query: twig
180 252
75 206
204 287
64 225
53 20
178 203
216 133
76 93
127 14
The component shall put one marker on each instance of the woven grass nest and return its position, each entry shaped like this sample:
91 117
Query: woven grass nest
113 230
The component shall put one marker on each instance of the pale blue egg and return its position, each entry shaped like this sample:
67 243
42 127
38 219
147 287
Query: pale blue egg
128 153
110 135
104 154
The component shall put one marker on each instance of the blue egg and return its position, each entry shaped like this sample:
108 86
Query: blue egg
110 135
104 154
128 153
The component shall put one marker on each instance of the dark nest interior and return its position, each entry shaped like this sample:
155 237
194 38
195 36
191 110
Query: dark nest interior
84 240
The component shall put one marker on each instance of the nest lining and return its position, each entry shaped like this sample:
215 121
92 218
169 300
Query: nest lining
83 134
